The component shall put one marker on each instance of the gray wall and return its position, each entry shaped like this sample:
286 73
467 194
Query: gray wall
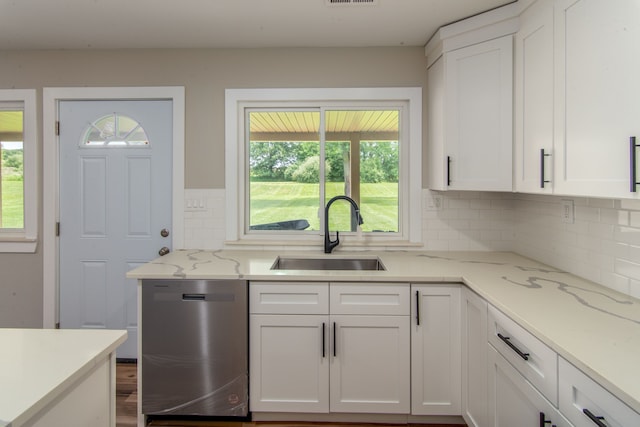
205 74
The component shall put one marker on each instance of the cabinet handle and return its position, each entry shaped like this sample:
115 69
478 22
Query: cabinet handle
595 419
525 356
632 155
448 171
544 421
334 339
542 156
418 308
324 354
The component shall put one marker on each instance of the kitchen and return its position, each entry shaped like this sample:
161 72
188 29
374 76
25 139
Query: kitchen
600 245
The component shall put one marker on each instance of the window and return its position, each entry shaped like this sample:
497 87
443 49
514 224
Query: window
290 151
115 130
18 213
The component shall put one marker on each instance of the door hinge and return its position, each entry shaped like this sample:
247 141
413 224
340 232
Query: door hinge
57 229
57 127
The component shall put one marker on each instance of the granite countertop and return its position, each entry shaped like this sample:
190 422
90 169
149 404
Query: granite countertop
595 328
39 365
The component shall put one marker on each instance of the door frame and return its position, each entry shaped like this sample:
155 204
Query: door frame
50 162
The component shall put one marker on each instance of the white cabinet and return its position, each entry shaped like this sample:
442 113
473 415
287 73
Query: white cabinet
474 359
513 401
289 347
533 116
585 403
289 363
370 364
435 350
597 100
476 138
329 347
535 361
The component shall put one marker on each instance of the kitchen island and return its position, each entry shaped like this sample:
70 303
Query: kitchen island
594 328
58 377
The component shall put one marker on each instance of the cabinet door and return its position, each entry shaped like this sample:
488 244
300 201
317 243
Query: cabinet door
513 401
597 95
533 116
474 359
435 350
479 115
582 400
289 363
370 364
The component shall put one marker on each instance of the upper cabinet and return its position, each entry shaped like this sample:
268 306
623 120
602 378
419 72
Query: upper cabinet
533 94
469 106
597 96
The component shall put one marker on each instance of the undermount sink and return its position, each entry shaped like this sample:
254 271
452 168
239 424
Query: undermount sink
291 263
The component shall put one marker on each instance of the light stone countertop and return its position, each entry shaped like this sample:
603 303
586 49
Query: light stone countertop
593 327
37 366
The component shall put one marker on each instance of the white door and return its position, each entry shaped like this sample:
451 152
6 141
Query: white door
370 364
115 208
435 350
289 363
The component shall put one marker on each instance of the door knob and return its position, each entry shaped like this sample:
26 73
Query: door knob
164 232
163 251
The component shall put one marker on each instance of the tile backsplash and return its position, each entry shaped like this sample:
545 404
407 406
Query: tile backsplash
602 243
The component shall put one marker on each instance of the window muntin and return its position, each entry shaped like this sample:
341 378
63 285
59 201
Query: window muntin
18 195
114 130
408 101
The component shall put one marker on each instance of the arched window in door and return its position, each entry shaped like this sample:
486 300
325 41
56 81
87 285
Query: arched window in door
114 130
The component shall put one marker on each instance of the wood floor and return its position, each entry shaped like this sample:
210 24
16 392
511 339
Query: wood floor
127 398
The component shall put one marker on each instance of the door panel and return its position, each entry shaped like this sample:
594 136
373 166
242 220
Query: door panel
114 200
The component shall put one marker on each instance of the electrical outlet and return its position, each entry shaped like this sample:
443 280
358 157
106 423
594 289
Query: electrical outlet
568 211
434 202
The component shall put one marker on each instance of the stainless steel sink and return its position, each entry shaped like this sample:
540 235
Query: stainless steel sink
292 263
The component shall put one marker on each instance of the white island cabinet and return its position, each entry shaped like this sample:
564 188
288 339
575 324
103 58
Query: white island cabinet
58 377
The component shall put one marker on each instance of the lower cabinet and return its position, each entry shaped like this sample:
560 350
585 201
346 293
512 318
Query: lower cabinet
513 401
435 350
474 359
289 363
319 363
587 404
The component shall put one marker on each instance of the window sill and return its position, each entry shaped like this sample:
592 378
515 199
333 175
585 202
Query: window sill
18 245
344 243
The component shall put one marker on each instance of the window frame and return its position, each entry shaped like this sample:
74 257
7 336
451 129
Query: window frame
236 160
24 240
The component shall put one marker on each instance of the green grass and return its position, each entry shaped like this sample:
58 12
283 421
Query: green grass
12 204
282 201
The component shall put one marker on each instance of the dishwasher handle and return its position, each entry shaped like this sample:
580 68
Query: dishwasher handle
193 297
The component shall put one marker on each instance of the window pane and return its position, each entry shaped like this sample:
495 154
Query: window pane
11 170
363 151
284 165
114 130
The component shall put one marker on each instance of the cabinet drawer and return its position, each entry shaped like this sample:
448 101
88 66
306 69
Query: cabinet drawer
288 298
370 298
535 361
580 396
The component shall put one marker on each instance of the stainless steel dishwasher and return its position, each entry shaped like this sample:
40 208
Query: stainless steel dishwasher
194 348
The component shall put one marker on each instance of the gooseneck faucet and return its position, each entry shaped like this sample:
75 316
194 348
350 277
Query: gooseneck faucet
328 243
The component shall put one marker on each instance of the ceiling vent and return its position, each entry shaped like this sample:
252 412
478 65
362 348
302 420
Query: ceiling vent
351 2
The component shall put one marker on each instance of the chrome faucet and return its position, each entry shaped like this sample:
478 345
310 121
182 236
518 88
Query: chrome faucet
328 243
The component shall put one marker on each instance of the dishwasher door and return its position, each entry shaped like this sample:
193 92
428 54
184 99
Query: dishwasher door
194 347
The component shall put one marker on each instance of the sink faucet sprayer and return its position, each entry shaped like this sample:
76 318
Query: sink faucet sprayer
328 243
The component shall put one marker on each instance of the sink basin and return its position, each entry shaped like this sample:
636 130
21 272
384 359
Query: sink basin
289 263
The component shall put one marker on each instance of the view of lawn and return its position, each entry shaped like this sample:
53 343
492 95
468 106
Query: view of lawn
287 200
12 204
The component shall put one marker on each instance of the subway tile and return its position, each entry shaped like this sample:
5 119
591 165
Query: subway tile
627 268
